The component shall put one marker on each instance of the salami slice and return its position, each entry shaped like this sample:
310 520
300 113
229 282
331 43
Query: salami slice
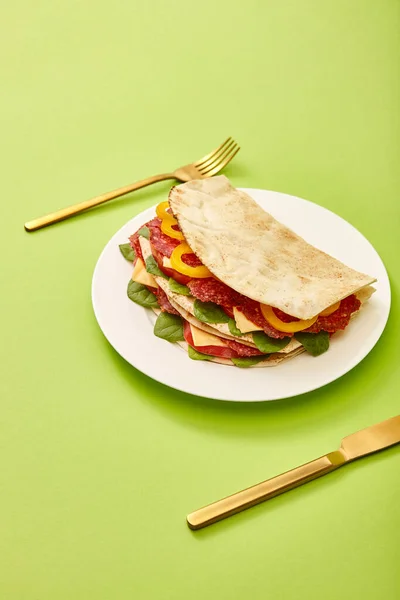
163 301
134 239
252 311
339 319
191 260
134 242
242 350
164 244
283 316
212 290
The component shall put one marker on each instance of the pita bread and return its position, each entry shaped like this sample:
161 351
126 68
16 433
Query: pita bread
256 255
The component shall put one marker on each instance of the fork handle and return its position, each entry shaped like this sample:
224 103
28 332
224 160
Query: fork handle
70 211
265 490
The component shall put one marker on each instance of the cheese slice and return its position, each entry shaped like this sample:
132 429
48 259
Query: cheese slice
202 338
243 323
140 275
167 263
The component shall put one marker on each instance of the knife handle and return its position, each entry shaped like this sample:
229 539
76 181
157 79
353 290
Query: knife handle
265 490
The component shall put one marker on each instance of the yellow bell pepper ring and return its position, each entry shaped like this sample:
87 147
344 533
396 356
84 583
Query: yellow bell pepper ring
167 228
200 272
276 322
331 309
161 210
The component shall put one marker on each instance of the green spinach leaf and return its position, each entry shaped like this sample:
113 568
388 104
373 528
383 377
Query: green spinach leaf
233 328
248 361
178 288
314 343
169 327
268 344
153 268
127 252
208 312
141 295
194 355
144 232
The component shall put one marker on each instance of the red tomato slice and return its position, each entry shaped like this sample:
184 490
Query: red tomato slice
221 351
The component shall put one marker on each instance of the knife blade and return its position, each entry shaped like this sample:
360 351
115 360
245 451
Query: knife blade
372 439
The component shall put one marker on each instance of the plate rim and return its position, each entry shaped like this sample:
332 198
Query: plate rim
149 373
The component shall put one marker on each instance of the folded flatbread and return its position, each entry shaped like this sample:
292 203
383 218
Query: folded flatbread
252 261
253 253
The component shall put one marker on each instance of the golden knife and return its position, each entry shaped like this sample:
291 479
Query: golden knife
357 445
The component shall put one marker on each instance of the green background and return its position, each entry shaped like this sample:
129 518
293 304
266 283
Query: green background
99 464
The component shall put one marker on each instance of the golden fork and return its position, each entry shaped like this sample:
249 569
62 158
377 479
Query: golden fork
369 440
207 166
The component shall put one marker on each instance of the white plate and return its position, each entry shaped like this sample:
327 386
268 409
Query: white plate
129 327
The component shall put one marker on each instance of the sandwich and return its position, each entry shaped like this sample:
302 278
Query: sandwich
231 284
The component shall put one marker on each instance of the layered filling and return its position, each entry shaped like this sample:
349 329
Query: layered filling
215 302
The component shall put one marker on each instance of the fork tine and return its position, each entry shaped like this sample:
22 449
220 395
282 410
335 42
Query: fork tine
222 164
217 155
215 164
218 159
211 154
